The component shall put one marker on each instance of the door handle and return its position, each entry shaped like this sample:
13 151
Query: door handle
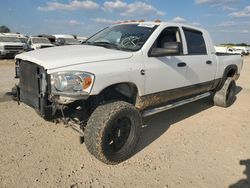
142 72
181 64
209 62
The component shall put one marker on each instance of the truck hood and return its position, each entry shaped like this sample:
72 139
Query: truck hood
63 56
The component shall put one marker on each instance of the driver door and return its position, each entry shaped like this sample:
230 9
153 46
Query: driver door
166 74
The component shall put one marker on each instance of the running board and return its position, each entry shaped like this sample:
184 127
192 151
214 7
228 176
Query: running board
173 105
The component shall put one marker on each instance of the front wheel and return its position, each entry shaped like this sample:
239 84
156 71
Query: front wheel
226 95
113 131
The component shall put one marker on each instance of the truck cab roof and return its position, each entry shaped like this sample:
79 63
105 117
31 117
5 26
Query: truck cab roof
162 24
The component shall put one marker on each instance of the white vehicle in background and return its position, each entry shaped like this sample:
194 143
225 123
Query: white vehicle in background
22 37
67 41
35 43
63 39
248 50
10 45
81 39
242 49
64 36
226 49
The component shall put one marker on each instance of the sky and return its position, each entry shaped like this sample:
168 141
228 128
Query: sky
228 21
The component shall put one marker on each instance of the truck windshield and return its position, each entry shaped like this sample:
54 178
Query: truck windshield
41 40
9 39
128 37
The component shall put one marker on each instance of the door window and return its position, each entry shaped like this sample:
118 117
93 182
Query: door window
168 36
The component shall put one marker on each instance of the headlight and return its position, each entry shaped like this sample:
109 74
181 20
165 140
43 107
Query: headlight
60 82
72 82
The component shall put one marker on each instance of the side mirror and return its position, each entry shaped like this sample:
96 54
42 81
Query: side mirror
169 48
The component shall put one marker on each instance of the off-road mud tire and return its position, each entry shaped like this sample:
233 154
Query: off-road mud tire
106 119
226 95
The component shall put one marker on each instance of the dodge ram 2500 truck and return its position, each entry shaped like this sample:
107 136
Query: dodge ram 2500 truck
123 73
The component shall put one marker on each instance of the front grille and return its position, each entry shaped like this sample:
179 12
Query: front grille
12 47
31 84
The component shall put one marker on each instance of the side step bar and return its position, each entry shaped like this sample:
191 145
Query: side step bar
173 105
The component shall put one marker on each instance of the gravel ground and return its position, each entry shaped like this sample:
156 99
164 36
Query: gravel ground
196 145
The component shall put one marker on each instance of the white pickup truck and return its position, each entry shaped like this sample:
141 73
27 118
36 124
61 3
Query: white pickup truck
127 71
10 46
35 43
228 50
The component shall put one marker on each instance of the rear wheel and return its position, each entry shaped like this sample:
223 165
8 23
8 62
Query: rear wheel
226 95
112 132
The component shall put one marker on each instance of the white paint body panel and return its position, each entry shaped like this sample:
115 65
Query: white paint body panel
65 56
163 74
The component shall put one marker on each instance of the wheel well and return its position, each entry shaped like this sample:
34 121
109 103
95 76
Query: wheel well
121 91
231 73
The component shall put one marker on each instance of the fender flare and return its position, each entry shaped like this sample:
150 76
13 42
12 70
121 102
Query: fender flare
224 77
228 69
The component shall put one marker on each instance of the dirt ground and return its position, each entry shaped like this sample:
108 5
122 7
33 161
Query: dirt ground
194 146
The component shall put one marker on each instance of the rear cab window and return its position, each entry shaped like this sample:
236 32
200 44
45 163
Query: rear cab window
195 42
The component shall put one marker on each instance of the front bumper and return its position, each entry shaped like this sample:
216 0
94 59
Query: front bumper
10 52
33 89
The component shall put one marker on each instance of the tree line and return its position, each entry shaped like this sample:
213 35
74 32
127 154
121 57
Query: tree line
4 29
231 44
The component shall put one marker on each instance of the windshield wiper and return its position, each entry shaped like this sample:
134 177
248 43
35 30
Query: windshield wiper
108 45
104 44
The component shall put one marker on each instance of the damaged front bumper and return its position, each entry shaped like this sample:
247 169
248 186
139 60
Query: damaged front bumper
33 89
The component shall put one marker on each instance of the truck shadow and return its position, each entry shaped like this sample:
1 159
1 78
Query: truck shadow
6 58
243 183
238 89
157 125
4 97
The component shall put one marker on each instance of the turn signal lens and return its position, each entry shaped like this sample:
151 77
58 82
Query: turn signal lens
87 81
